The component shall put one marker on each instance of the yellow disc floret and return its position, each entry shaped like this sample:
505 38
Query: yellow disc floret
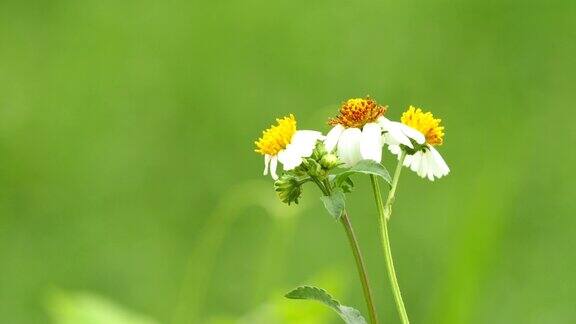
357 112
277 137
425 123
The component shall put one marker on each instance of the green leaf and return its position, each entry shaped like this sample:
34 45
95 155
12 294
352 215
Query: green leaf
335 203
348 314
365 167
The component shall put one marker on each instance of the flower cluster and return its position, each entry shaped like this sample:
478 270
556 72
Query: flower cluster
359 132
355 144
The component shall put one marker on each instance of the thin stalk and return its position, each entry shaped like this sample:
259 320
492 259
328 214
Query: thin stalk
392 193
345 220
384 212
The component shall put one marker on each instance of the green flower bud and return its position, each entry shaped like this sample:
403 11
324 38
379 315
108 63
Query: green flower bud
314 169
329 161
288 188
319 151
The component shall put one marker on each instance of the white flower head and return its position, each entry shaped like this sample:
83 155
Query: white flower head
356 134
285 144
425 132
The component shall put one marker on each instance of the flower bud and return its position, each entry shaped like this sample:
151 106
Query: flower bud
288 188
329 161
319 151
314 169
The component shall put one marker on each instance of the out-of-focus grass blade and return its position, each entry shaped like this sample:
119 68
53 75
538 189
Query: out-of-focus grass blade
89 308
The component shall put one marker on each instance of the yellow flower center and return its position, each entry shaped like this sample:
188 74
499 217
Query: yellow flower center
277 137
425 123
355 113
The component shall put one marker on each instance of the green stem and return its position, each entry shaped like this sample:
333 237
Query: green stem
384 212
345 220
392 193
360 265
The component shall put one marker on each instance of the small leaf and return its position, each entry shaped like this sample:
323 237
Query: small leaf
351 315
335 203
365 167
348 314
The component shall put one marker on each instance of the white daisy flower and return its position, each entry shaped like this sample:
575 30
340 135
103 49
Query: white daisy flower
357 132
421 156
283 143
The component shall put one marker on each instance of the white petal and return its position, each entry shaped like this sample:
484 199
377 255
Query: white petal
412 133
349 146
431 175
423 169
306 135
266 163
301 145
273 166
431 172
382 121
394 149
434 167
395 132
416 159
439 161
407 160
303 142
389 140
385 125
290 159
371 142
332 137
400 132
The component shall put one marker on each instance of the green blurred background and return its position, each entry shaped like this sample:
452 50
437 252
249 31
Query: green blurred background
130 192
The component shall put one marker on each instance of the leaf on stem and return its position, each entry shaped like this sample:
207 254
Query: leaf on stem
363 167
348 314
335 203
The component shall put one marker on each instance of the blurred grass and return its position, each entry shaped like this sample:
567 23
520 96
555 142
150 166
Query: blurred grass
200 269
123 125
69 308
